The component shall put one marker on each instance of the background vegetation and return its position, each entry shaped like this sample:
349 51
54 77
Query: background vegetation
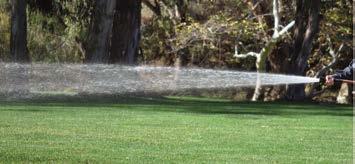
185 33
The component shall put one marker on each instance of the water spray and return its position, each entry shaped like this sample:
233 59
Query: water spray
116 79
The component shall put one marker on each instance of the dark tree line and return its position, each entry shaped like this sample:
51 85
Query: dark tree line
114 33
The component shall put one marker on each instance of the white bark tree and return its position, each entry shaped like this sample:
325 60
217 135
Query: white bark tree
261 57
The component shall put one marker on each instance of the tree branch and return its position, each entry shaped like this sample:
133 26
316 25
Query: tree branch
155 8
335 57
237 55
324 69
275 12
256 4
285 29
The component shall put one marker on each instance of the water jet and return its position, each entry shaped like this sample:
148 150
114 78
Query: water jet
114 79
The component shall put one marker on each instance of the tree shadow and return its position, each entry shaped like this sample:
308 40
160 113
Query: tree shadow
182 105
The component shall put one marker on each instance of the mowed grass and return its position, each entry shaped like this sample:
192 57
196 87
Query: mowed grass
174 130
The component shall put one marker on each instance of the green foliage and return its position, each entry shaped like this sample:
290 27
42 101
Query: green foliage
203 10
4 31
57 32
155 41
207 39
57 36
212 43
47 41
337 25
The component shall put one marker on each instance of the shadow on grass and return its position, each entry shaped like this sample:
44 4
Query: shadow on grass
179 105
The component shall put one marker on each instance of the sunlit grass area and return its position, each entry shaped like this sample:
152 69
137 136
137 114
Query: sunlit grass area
173 129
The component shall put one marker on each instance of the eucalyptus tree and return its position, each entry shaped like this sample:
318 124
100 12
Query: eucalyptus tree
100 32
306 29
126 32
18 41
114 33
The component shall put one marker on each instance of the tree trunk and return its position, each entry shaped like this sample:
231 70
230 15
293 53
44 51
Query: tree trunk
100 33
307 24
18 44
126 32
277 64
261 67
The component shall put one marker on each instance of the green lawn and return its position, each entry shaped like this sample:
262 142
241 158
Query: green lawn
174 130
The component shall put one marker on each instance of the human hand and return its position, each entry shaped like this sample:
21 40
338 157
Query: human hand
329 80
